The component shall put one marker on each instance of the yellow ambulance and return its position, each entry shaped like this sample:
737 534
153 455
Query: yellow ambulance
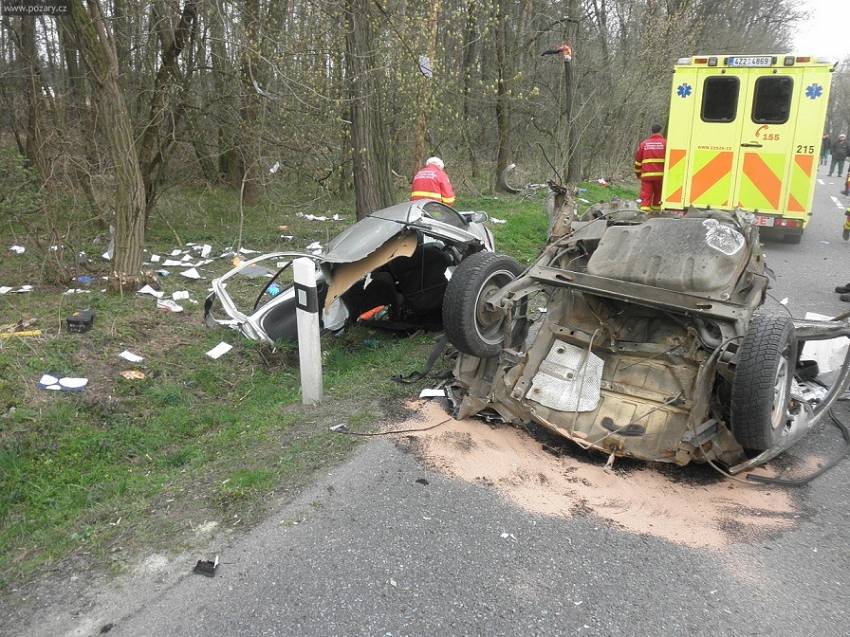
745 132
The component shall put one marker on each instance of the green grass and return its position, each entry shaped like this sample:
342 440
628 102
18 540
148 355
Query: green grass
127 465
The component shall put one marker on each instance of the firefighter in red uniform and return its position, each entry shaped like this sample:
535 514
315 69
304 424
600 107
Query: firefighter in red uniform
649 168
432 182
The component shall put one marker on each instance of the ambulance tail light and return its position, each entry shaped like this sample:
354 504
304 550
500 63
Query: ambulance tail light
787 223
700 60
803 60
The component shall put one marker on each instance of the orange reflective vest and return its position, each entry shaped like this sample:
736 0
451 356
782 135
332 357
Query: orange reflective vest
431 182
649 158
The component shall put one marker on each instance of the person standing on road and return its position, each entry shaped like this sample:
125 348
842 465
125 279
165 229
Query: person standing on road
649 168
824 148
839 154
432 182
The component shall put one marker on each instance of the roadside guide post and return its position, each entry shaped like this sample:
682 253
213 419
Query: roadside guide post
309 344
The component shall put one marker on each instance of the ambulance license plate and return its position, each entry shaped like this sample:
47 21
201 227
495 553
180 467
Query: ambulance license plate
763 221
750 60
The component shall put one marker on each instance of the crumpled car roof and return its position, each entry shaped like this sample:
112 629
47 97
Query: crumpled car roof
361 239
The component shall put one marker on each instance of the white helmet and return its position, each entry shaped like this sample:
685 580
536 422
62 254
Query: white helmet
435 161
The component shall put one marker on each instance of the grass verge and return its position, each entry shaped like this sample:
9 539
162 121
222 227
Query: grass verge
127 465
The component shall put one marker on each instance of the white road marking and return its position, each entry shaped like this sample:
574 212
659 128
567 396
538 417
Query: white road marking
820 181
837 203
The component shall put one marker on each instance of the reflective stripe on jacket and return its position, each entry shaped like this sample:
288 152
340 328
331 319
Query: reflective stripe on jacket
649 158
432 183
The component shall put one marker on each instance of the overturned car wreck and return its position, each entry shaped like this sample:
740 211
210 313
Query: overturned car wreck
400 258
649 342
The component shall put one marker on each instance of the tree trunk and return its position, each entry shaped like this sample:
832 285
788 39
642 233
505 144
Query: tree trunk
426 96
98 52
503 114
372 185
35 144
249 107
157 135
572 167
468 61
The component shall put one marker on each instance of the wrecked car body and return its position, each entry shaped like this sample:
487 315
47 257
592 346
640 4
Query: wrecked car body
400 258
642 338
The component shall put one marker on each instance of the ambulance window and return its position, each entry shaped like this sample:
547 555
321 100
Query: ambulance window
772 101
720 99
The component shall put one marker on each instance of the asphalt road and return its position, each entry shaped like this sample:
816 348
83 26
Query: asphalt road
376 553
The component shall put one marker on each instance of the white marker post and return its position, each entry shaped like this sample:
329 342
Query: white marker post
309 344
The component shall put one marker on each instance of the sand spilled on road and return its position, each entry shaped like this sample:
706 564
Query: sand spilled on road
643 500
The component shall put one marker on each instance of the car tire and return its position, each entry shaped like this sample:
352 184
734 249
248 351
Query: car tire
762 384
469 326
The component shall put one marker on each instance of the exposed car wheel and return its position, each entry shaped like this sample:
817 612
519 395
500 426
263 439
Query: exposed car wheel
762 383
469 325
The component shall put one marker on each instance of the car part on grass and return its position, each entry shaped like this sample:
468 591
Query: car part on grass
650 342
401 257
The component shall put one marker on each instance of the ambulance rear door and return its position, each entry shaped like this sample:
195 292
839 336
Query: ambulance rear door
716 138
766 144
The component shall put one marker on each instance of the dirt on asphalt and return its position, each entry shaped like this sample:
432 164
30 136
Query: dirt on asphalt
699 512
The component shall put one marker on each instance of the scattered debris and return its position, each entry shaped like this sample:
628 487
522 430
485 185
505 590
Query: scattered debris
315 248
131 357
180 295
23 334
12 290
206 567
422 481
173 263
162 273
205 250
191 273
340 428
155 258
219 350
149 290
80 321
168 304
247 251
132 374
75 291
18 249
67 383
274 168
175 252
498 221
432 393
85 279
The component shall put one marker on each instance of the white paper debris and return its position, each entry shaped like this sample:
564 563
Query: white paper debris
336 218
275 168
498 221
47 379
247 251
172 263
191 273
73 383
287 237
155 258
149 290
219 350
22 289
75 291
432 393
18 249
315 248
176 252
187 257
168 304
784 301
130 356
5 289
205 250
180 295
